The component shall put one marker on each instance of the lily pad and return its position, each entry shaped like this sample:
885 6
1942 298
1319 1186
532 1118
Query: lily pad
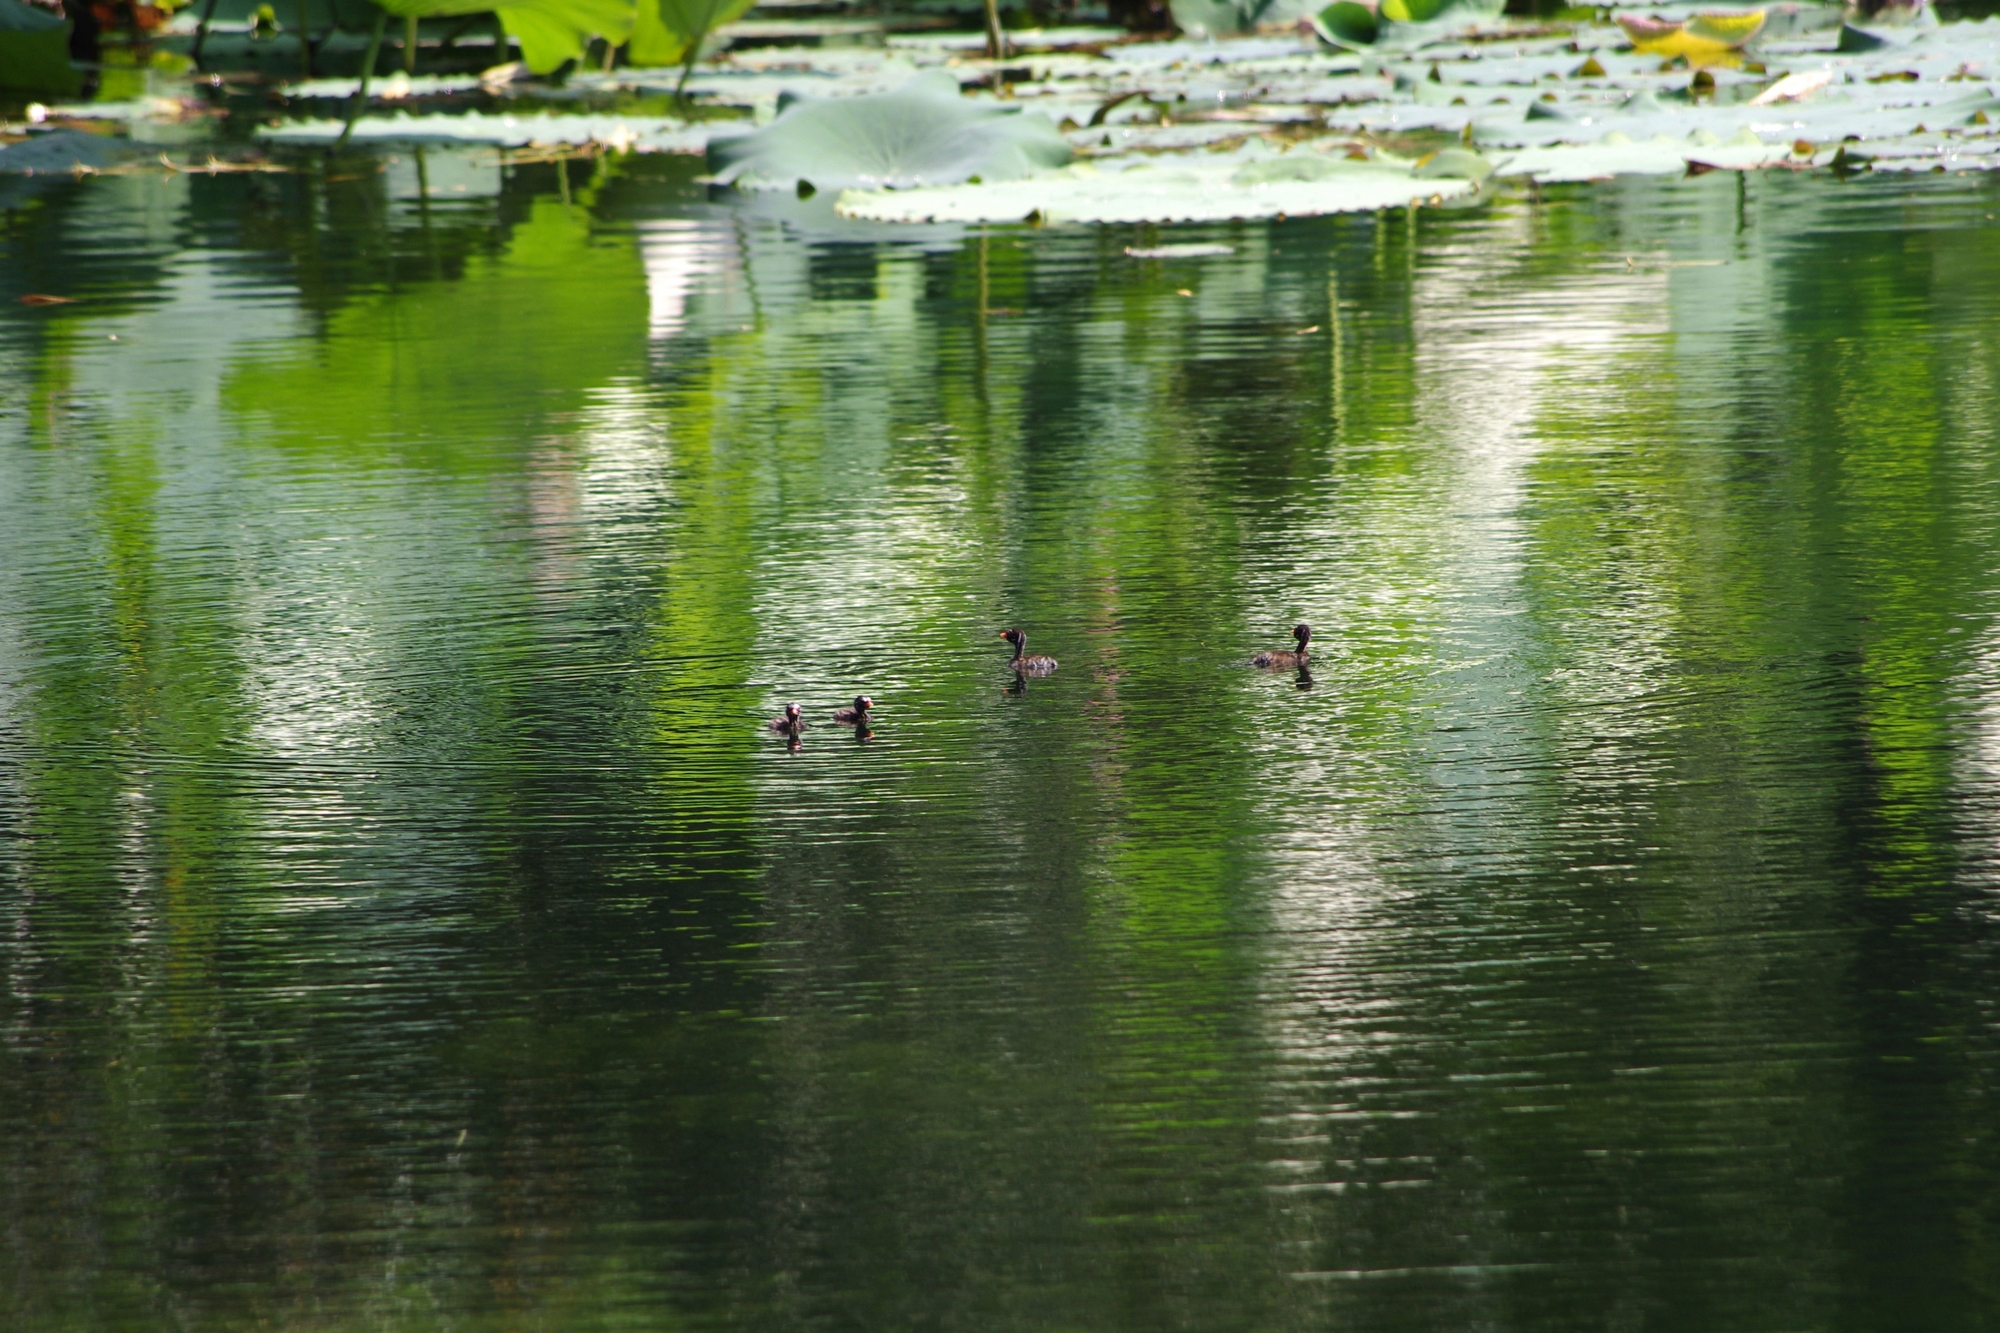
924 133
1213 187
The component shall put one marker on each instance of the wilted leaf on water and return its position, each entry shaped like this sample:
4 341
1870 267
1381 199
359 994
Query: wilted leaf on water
1705 39
1794 87
923 133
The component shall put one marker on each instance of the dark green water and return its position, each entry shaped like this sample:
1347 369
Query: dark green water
406 925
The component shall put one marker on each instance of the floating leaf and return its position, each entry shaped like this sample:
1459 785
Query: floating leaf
1192 250
1794 87
1209 188
64 150
923 133
1452 164
1705 39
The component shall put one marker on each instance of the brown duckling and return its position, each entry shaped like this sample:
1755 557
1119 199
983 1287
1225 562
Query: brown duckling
1023 664
1286 661
790 724
856 716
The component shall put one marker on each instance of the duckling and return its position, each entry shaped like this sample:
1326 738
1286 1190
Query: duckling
1024 665
856 716
1283 660
791 724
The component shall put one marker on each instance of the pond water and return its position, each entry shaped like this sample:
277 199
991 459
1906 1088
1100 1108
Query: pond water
407 922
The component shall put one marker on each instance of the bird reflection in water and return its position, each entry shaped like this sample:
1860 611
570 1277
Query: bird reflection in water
1019 686
1305 677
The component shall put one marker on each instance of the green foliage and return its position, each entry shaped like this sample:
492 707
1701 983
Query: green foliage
1400 22
668 32
34 52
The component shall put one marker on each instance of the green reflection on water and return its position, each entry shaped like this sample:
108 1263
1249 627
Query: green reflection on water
408 924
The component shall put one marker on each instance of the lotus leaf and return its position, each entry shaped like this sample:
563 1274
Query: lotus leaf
1401 23
34 51
666 32
1346 23
923 133
1219 18
549 31
1210 188
1705 39
1452 164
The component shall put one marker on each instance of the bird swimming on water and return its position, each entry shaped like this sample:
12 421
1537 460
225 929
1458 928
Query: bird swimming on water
790 724
1283 660
856 716
1023 664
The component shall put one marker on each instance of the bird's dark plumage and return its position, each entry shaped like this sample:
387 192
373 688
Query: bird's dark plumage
1022 663
857 715
790 723
1283 660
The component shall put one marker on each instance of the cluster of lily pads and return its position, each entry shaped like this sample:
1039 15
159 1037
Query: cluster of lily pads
1326 113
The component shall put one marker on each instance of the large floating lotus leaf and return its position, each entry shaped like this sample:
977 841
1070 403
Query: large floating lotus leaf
1205 188
923 133
63 150
1617 155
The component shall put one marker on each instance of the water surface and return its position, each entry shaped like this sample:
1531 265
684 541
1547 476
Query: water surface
407 924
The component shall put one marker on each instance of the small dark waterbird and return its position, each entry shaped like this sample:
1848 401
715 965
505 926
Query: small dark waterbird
790 723
1022 662
1286 661
856 716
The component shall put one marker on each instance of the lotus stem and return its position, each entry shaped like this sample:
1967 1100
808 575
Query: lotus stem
996 40
360 98
687 66
305 44
409 43
201 32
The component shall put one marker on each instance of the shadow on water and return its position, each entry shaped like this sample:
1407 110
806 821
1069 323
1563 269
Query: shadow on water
408 922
